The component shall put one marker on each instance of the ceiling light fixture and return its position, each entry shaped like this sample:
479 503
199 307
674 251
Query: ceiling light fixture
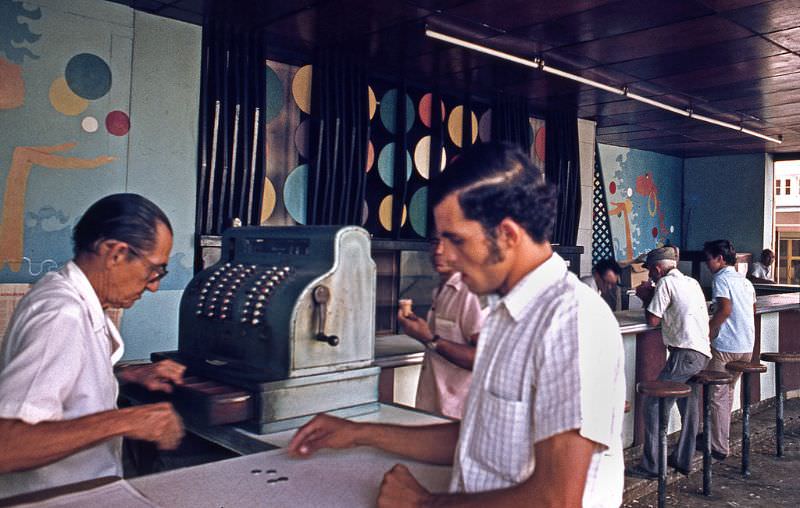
538 63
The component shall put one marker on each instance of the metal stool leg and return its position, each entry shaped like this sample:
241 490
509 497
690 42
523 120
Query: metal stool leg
746 426
663 420
779 410
706 440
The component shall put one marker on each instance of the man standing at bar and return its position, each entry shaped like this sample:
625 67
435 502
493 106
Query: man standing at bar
761 271
543 418
732 333
450 336
59 421
677 304
605 280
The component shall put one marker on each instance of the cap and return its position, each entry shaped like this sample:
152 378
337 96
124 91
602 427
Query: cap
660 254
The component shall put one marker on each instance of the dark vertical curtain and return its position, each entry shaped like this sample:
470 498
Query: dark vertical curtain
562 168
511 121
232 132
339 135
400 183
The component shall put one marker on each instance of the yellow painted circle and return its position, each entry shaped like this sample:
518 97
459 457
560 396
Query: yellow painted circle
455 122
385 213
64 100
268 200
373 102
301 88
422 158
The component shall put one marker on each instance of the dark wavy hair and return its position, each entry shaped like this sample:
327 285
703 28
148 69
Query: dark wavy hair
722 248
497 180
605 265
129 218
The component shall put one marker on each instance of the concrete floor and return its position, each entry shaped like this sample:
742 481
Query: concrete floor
773 482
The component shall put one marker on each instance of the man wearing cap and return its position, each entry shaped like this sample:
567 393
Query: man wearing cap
677 304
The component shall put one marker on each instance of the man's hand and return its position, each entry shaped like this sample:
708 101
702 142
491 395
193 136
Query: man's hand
400 489
415 327
645 292
161 376
157 423
323 431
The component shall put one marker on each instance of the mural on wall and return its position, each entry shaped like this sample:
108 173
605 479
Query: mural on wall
82 79
289 153
644 198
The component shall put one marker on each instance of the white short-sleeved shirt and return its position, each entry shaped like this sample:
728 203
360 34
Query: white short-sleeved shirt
550 360
455 316
57 363
761 271
681 305
737 333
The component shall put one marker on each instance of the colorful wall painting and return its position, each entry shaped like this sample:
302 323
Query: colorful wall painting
82 79
65 114
643 192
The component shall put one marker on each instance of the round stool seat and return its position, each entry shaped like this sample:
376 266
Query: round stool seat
781 357
663 389
746 367
711 377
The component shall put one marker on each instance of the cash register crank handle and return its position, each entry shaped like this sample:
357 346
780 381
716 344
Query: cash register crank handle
322 295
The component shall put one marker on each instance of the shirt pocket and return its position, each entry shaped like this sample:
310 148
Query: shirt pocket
502 438
447 329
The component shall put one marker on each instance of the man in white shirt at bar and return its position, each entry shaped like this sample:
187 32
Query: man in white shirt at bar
450 336
677 304
605 280
543 420
59 421
761 270
732 332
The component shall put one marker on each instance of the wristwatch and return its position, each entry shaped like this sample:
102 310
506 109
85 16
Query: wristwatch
431 344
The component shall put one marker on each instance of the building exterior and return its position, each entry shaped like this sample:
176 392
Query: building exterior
787 221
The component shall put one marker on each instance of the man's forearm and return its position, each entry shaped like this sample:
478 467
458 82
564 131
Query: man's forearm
430 443
462 355
27 446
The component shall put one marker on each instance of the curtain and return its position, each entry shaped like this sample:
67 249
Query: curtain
231 159
511 121
562 168
339 135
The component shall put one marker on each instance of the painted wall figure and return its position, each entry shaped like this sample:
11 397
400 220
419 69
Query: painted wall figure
643 193
24 158
623 209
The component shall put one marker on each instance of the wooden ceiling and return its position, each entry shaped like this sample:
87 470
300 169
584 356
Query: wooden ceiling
734 60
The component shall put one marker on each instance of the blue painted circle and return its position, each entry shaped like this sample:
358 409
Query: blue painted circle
386 164
295 193
88 76
389 109
418 211
275 96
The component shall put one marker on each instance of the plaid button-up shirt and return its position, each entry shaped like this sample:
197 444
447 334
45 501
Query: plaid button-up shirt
549 360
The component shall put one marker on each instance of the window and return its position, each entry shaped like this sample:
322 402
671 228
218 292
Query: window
777 187
788 187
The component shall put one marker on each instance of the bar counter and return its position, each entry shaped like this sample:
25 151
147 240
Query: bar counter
777 322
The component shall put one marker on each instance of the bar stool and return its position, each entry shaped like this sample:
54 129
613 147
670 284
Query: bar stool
747 369
707 378
779 359
663 390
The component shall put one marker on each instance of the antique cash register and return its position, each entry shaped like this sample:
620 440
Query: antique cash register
281 328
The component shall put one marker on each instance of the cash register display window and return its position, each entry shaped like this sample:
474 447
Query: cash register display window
401 274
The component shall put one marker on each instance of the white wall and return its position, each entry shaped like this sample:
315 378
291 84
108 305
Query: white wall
586 144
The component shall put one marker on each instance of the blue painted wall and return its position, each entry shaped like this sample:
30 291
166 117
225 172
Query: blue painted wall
643 198
154 69
724 197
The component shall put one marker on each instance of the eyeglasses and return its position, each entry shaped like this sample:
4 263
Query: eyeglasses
157 272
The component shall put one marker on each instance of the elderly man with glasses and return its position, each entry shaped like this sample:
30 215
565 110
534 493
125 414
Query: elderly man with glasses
59 421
